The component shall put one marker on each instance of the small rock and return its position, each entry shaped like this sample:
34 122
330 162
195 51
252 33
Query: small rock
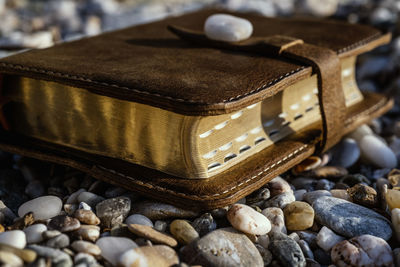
263 240
331 172
113 211
287 251
43 208
346 153
278 186
247 220
341 193
298 216
161 211
363 195
89 198
15 238
64 223
222 247
310 197
50 234
151 234
86 216
60 241
396 222
161 226
204 224
34 233
85 260
308 164
139 219
258 197
322 257
112 247
376 152
364 250
227 28
159 255
88 232
183 231
299 194
26 255
73 198
86 247
275 216
360 132
84 206
309 237
394 177
326 238
70 209
307 252
393 198
10 260
9 216
56 256
280 201
324 184
353 179
265 254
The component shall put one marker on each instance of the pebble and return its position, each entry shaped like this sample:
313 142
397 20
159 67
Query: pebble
310 197
326 238
265 254
84 206
50 234
112 247
353 179
26 255
299 194
308 164
57 257
89 198
341 193
376 152
223 247
247 220
34 233
364 250
70 209
329 172
87 217
15 238
160 255
43 208
324 184
360 132
298 216
161 226
277 186
183 231
363 195
113 211
9 216
258 197
349 219
263 240
322 257
60 241
162 211
280 201
151 234
204 224
139 219
227 28
276 218
64 223
84 260
73 198
88 232
346 153
287 251
86 247
396 222
392 198
305 248
10 260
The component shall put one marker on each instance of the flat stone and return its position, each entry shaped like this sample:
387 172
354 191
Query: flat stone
87 217
227 28
159 255
349 219
287 251
26 255
276 218
60 241
298 216
247 220
223 247
204 224
364 250
56 256
280 201
326 238
113 211
15 238
331 172
277 186
151 234
183 231
64 223
139 219
88 232
34 233
43 208
112 247
86 247
376 152
162 211
310 197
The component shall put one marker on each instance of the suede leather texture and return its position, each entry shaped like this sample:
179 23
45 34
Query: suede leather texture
151 65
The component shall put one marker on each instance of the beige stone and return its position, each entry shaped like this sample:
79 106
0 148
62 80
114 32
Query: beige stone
160 256
393 198
341 193
87 216
247 220
152 234
183 231
298 216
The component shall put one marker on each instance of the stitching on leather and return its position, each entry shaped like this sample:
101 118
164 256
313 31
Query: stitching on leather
160 188
359 43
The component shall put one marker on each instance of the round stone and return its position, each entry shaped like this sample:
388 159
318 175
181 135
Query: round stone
287 251
377 152
275 216
247 220
34 233
87 217
139 219
183 231
15 238
326 238
159 255
346 153
298 216
64 223
228 28
43 208
278 186
88 232
112 247
393 198
9 259
151 234
86 247
59 241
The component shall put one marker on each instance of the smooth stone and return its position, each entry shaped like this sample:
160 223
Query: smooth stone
329 172
50 234
304 183
26 255
346 153
360 132
112 247
34 233
60 241
86 247
324 184
204 224
88 232
58 257
265 254
299 194
43 208
8 259
258 197
15 238
227 28
277 186
376 152
151 234
161 226
287 251
280 201
393 198
276 218
85 260
160 256
349 219
396 222
64 223
183 231
87 217
363 195
247 220
222 247
326 238
89 198
305 248
139 219
310 197
364 250
341 193
298 216
84 206
309 236
162 211
73 198
263 240
113 211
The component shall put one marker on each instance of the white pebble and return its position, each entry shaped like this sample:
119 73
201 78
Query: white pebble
15 238
377 152
84 206
139 219
223 27
34 233
112 247
247 220
326 238
43 208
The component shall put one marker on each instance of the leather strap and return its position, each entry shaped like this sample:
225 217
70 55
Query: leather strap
3 101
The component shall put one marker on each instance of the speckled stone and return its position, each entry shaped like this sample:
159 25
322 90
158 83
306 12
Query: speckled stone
247 220
287 251
43 208
183 231
161 211
113 211
64 223
151 234
363 195
298 216
204 224
276 218
160 256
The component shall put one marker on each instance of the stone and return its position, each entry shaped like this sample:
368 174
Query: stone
9 216
324 184
86 247
89 198
15 238
43 208
346 153
394 177
360 132
299 194
73 198
84 206
329 172
265 254
159 255
50 234
310 197
341 193
322 257
204 224
112 247
304 183
161 211
277 186
183 231
113 211
363 195
263 240
298 216
276 218
308 164
305 248
60 241
34 233
161 226
139 219
396 222
10 260
247 220
70 209
258 197
308 236
64 223
353 179
376 152
26 255
222 247
88 232
87 217
23 222
364 250
227 28
349 219
287 251
56 256
326 238
280 201
151 234
85 260
392 197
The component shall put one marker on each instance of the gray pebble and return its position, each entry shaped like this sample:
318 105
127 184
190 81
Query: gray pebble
160 226
306 249
161 211
64 223
324 184
84 260
346 153
310 197
139 219
50 234
60 241
204 224
287 251
113 211
57 257
89 198
280 201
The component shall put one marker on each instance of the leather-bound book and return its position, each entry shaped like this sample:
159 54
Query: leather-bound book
162 110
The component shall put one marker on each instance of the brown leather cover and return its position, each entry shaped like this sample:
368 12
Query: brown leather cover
149 64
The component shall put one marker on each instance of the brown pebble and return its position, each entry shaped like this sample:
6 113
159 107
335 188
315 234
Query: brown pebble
394 177
151 234
363 195
329 172
87 217
25 221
